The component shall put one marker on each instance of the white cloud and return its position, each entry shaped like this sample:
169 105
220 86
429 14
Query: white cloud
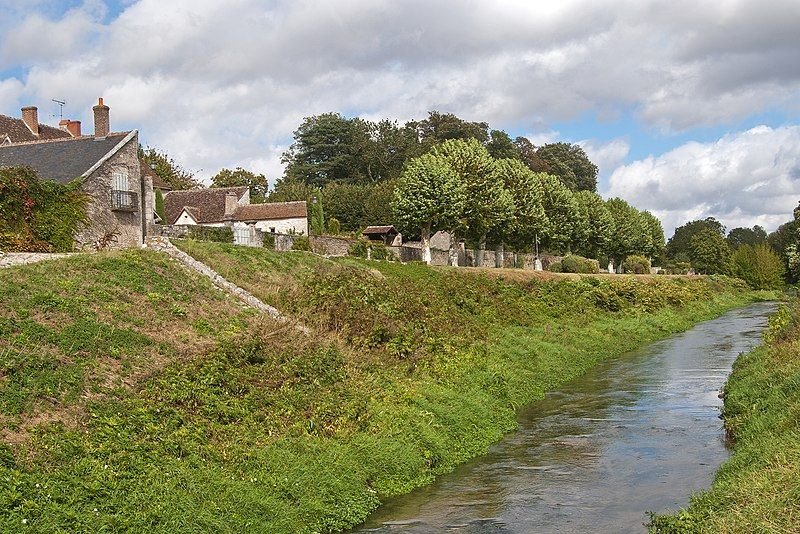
607 156
220 83
744 178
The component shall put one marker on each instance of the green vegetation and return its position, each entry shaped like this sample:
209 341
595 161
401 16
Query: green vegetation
136 397
579 264
240 177
219 234
38 215
637 265
757 489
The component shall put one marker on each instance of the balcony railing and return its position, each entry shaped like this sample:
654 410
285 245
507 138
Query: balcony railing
124 200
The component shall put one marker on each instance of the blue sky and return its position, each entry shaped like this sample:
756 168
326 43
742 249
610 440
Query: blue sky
690 108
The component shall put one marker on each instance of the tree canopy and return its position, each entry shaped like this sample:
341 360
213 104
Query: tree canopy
679 245
239 177
709 252
570 164
173 174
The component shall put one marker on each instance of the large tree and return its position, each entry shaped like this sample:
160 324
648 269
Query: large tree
709 252
239 177
440 127
529 221
628 230
601 227
652 243
501 146
746 236
488 206
679 245
526 153
173 174
563 213
570 164
429 196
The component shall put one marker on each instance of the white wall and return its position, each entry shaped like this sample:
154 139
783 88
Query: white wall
297 225
185 218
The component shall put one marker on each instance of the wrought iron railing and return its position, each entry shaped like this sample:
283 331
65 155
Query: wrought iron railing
124 200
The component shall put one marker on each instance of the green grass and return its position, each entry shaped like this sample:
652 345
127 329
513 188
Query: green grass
136 397
758 489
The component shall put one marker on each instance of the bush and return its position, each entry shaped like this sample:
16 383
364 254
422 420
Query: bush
378 251
555 267
334 226
636 265
269 241
218 234
578 264
359 249
302 243
758 266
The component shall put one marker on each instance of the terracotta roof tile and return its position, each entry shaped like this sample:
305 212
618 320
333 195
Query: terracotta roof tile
210 203
17 131
271 211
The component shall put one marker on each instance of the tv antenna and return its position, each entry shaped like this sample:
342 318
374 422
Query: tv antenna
61 105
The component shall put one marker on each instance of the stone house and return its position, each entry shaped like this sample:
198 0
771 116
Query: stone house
28 128
230 206
120 208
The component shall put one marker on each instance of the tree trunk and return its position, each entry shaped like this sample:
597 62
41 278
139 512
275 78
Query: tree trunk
499 255
480 252
426 244
453 249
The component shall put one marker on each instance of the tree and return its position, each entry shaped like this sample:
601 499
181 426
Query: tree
758 265
709 252
440 127
563 213
746 236
501 146
317 217
238 178
780 240
173 174
429 197
526 153
601 229
328 148
627 230
488 207
529 220
680 242
653 243
287 190
570 164
159 207
378 204
347 203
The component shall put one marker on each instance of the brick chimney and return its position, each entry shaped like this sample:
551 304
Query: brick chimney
30 116
231 203
73 127
101 124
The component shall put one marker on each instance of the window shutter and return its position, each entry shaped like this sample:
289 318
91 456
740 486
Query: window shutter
120 182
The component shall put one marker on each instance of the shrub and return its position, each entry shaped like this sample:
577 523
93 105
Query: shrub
334 226
218 234
302 243
759 266
358 249
636 265
378 251
555 267
39 215
578 264
269 241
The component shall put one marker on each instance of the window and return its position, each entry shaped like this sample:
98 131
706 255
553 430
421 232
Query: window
120 182
272 229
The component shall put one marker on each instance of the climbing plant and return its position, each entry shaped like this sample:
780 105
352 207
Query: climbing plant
39 215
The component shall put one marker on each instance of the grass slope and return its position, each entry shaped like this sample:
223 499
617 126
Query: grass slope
134 396
758 489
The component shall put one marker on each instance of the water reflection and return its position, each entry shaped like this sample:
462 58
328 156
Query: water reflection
637 433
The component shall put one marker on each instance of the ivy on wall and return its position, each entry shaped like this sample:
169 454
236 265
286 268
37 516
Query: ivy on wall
39 215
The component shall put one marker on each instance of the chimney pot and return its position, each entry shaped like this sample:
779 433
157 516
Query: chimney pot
30 116
101 119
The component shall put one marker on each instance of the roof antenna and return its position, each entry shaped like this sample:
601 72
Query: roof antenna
61 105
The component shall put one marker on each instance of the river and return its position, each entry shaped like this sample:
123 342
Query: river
637 433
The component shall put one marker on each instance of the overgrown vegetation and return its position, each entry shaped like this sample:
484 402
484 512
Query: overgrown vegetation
39 215
219 234
136 397
757 489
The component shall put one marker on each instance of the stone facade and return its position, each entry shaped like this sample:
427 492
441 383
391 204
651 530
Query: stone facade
129 226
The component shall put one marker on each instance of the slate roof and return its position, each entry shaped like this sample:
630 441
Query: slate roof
373 230
18 132
209 204
60 160
271 211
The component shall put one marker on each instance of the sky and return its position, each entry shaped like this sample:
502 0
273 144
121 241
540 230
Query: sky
689 108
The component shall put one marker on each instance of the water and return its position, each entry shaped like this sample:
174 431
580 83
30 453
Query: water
637 433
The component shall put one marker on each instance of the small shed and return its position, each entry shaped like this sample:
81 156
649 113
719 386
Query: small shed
386 234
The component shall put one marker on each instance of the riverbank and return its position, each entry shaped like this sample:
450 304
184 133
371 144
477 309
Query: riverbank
758 489
137 397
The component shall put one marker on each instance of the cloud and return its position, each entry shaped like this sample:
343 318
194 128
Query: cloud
607 156
237 77
744 178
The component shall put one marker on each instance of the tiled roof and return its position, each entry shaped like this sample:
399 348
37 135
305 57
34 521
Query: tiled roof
271 210
18 132
60 160
208 203
369 230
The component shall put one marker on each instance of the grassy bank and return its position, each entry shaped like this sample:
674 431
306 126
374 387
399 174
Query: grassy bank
758 489
134 396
